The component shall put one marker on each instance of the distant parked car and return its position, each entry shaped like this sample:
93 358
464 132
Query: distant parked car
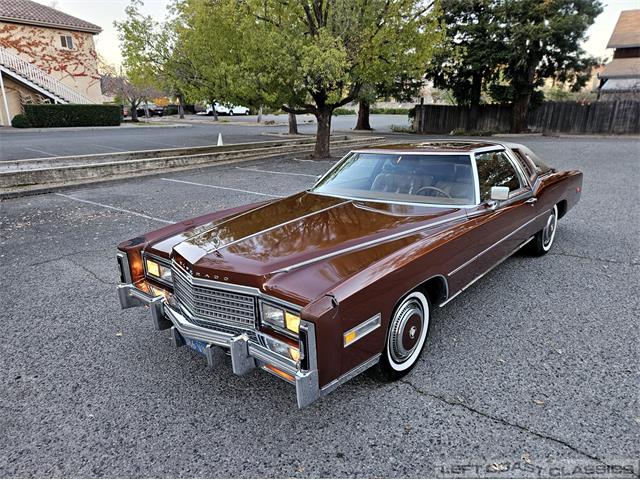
230 110
153 110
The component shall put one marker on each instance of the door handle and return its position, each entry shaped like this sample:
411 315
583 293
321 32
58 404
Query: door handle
532 200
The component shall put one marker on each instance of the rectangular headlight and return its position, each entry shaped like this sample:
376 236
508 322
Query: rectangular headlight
158 270
280 319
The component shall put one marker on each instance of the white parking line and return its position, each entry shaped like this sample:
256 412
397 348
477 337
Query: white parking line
277 173
110 207
41 151
221 188
313 161
107 147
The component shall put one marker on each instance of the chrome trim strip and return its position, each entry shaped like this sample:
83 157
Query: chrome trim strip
486 272
362 330
375 241
357 370
476 177
278 226
473 259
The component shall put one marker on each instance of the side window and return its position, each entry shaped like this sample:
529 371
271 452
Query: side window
66 41
526 163
495 170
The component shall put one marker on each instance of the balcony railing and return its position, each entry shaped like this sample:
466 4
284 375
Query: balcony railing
39 77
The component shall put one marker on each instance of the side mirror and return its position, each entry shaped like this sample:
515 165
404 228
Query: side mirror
499 193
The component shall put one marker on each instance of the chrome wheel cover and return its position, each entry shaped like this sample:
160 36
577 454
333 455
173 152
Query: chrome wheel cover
408 331
549 231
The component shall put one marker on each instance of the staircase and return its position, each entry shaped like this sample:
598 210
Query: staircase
31 76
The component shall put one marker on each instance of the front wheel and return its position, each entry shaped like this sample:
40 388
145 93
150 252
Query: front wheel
407 333
543 241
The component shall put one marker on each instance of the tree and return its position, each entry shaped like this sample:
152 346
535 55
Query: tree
542 40
133 93
310 56
151 53
471 53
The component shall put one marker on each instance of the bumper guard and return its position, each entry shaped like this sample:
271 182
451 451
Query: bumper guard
246 354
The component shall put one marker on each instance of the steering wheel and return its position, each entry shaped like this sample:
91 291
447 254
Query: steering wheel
441 193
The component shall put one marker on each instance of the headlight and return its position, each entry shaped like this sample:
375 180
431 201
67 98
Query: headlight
158 270
280 319
282 348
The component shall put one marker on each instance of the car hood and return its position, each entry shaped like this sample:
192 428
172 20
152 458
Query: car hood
265 245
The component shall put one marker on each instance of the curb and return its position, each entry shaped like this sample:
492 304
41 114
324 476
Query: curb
36 181
18 131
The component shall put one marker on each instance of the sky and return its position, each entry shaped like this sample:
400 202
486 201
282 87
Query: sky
105 12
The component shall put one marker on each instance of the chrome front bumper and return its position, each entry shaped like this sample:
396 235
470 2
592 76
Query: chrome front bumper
246 354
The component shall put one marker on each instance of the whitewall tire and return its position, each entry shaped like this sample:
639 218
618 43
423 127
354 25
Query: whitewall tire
406 336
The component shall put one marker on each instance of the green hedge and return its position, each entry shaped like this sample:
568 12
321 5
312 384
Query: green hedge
47 116
20 121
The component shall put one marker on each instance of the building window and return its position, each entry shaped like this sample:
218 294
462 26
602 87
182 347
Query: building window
66 41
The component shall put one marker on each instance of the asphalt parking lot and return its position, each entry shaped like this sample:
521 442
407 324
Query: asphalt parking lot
167 132
534 371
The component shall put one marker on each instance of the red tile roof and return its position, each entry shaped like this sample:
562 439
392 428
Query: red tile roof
627 31
32 13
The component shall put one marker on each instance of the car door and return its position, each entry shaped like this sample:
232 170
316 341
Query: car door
496 229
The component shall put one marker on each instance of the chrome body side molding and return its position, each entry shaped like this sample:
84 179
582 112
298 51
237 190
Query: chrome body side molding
362 330
490 247
357 370
485 272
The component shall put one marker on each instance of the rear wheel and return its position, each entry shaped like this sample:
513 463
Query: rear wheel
543 241
407 333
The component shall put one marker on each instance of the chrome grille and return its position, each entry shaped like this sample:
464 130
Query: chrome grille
211 307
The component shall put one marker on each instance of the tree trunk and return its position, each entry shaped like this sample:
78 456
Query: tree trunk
293 124
181 107
259 119
323 135
476 95
215 113
363 116
519 112
134 112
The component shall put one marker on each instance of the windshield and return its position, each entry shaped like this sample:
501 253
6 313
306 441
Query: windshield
432 179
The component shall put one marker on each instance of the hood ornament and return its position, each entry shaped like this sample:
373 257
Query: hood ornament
215 240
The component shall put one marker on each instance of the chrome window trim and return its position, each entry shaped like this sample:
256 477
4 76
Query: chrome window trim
362 330
375 241
474 258
476 178
525 185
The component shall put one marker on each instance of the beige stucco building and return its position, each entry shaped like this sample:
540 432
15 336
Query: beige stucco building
45 55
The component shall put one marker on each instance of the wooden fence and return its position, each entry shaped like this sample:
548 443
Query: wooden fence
618 117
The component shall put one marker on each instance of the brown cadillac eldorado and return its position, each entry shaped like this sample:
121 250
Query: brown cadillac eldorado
324 284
